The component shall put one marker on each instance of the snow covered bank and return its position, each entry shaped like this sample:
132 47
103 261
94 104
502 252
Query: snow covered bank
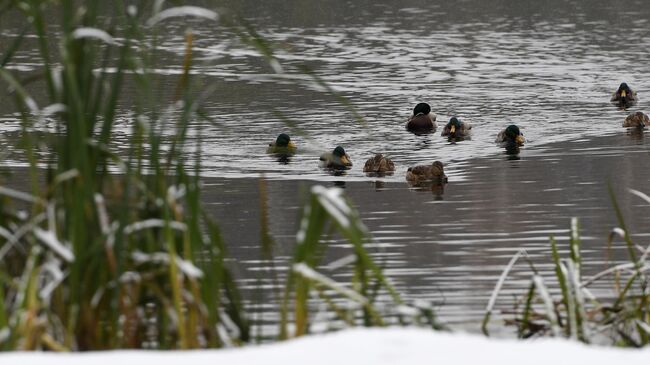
363 346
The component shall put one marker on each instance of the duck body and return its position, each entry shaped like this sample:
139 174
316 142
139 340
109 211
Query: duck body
624 96
636 120
336 160
379 165
282 145
422 121
456 129
427 174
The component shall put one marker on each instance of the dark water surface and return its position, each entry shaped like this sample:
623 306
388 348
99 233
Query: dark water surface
549 66
450 249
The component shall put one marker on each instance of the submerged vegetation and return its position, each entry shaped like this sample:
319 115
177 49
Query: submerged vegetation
109 249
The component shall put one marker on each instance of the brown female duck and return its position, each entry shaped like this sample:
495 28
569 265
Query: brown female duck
379 165
422 174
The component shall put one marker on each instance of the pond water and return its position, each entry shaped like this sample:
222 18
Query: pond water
549 67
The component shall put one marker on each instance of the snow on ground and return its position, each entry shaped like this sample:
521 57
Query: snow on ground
362 346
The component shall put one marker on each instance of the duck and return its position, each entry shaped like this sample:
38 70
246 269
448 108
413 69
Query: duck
456 130
336 160
282 145
422 121
636 120
511 135
624 96
379 165
423 174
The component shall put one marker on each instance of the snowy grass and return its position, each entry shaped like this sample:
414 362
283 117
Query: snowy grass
577 314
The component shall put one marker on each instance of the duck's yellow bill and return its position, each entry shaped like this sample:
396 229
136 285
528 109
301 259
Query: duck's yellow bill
452 129
291 145
346 161
520 140
623 93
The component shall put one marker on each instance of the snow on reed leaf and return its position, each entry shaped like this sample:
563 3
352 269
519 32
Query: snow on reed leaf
153 223
548 303
53 109
619 231
163 258
342 262
640 195
502 279
11 193
93 33
304 224
56 278
406 310
49 239
333 202
311 274
180 11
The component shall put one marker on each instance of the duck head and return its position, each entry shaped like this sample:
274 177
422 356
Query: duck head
339 152
284 140
513 134
454 126
422 108
624 92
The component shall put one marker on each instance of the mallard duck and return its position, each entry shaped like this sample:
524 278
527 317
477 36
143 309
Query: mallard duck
282 144
336 160
379 165
624 96
636 120
422 121
511 135
434 173
456 129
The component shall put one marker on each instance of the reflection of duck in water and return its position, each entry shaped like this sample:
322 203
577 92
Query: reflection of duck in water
426 174
422 121
336 160
637 120
624 96
379 165
282 148
456 130
511 139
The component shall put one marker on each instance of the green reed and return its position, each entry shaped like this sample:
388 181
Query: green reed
576 312
112 248
106 235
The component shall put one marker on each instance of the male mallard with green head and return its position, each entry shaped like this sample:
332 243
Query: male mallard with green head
511 135
379 165
422 121
636 120
336 160
456 130
624 96
434 173
282 145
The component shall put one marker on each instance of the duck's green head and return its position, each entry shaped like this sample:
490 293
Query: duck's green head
514 134
453 125
422 108
340 153
624 90
284 140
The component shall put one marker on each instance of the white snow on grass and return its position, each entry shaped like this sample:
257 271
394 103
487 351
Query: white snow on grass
363 346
